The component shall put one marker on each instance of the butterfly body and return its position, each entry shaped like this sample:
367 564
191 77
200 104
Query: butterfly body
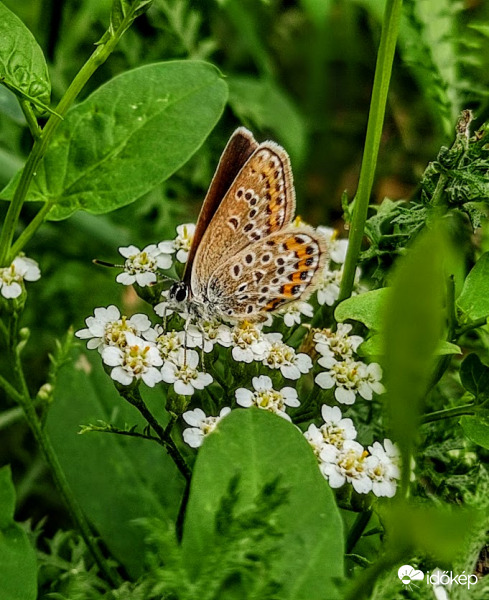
247 258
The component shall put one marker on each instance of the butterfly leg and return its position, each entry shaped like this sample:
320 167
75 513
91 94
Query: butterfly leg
202 353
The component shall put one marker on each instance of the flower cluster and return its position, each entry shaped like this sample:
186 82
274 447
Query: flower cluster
12 278
342 459
134 349
346 375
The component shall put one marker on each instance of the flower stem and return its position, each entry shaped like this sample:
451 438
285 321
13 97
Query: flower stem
42 140
450 413
134 397
385 57
357 529
24 400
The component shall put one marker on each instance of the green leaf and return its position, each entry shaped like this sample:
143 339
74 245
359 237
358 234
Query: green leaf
115 479
375 346
256 448
368 308
22 66
413 329
124 12
439 531
475 376
476 428
267 106
474 299
127 137
18 568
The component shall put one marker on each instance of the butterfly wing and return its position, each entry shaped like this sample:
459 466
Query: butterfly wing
268 274
239 148
259 202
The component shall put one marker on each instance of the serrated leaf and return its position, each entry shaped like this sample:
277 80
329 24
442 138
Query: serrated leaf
23 68
476 428
18 569
474 299
127 137
258 447
368 308
475 376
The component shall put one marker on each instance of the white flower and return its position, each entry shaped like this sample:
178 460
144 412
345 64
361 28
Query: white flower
11 278
336 429
336 247
280 356
328 289
315 438
350 378
201 425
138 359
292 313
342 374
169 343
383 468
183 373
347 464
108 328
248 342
266 398
370 380
141 265
212 332
181 244
337 344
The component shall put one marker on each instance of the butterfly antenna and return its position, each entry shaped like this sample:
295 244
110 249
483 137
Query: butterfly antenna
104 263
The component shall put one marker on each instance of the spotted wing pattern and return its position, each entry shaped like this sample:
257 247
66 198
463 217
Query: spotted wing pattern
238 150
267 275
259 202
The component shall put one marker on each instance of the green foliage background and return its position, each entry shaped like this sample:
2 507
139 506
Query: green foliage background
300 73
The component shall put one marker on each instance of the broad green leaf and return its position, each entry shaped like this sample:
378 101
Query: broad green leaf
269 107
127 137
115 479
18 568
474 299
375 346
258 448
476 428
413 329
22 66
368 308
475 376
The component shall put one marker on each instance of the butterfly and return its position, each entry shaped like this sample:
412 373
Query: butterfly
247 259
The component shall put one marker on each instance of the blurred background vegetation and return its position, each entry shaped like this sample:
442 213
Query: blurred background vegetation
299 72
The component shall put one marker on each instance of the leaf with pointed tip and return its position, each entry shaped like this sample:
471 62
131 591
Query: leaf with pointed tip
127 137
23 68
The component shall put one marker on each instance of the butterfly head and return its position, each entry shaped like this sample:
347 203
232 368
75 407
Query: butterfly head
178 293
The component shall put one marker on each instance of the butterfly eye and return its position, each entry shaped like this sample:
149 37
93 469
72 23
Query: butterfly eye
179 292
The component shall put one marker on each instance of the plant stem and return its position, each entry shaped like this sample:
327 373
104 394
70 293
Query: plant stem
30 230
32 418
357 529
383 69
99 56
134 397
472 325
450 413
30 118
